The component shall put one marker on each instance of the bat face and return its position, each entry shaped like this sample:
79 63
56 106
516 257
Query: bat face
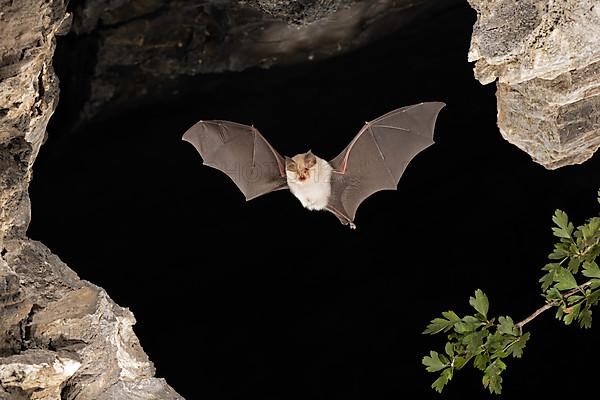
302 168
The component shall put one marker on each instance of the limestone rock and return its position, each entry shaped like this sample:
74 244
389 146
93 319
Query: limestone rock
546 58
60 337
64 338
28 95
37 373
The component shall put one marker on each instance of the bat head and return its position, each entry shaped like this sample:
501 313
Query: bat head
301 168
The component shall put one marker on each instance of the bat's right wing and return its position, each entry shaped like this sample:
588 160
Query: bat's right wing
241 152
378 155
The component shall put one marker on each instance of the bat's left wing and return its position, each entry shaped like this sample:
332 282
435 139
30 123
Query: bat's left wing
241 152
378 155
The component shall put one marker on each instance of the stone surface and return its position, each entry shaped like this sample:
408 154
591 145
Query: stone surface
28 96
546 58
140 51
38 374
60 337
64 338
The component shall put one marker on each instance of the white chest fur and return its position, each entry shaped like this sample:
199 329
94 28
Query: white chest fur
314 192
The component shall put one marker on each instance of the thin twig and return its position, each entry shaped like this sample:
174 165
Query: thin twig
548 306
537 312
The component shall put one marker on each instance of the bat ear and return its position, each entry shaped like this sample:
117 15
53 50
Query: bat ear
310 159
290 164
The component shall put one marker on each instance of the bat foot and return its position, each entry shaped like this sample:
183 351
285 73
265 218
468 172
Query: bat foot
342 217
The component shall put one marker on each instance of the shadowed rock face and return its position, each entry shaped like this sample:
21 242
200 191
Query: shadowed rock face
121 53
61 337
546 58
64 338
28 96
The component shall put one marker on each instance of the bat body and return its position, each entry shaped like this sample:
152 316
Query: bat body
314 190
374 160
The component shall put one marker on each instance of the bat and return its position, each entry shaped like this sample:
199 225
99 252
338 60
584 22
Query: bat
374 160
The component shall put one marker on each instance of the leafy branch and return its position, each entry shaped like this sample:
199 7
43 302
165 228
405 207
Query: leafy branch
486 342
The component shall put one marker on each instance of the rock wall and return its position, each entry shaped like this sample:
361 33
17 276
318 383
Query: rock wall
545 56
64 338
28 96
60 337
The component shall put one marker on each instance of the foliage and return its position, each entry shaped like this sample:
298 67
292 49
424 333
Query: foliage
570 284
475 337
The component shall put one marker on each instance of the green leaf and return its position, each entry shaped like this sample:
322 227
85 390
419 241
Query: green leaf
559 313
516 349
585 318
444 359
574 264
459 362
481 361
449 349
474 341
561 233
496 344
591 269
438 325
593 298
560 218
565 279
590 229
492 379
571 314
548 279
561 250
553 295
468 324
433 362
480 302
444 378
507 326
469 319
451 316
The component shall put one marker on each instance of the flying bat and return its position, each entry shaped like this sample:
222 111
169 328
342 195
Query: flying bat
374 160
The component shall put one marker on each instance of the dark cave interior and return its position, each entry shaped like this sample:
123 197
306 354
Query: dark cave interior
268 300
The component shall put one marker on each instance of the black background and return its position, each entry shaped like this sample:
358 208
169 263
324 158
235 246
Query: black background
269 300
